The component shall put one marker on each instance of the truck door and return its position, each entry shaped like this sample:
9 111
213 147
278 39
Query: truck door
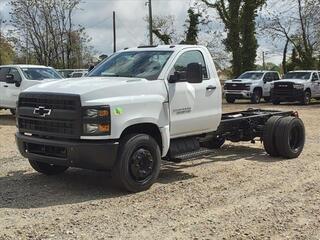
315 89
3 73
194 108
267 79
12 90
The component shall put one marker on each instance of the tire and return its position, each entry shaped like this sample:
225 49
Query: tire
267 99
306 99
290 137
230 99
47 169
214 143
269 136
13 112
138 163
256 96
275 102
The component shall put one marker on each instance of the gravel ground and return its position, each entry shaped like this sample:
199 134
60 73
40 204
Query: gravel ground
236 193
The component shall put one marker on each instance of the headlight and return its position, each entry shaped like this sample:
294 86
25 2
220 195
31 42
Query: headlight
298 86
248 84
96 121
95 113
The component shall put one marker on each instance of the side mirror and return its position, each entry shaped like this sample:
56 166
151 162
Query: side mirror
194 73
10 79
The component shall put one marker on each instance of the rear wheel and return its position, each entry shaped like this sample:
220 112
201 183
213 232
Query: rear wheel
307 98
230 99
138 163
256 96
290 137
47 169
269 136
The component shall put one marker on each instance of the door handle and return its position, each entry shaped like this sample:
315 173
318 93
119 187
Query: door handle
5 86
211 88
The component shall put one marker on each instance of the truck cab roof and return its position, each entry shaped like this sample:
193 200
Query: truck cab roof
25 66
161 48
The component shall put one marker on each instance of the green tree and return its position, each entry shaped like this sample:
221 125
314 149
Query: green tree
238 17
248 33
192 31
6 51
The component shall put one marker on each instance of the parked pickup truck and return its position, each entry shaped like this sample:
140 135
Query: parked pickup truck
296 86
138 107
16 78
252 85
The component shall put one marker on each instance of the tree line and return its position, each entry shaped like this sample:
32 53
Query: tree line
295 25
44 33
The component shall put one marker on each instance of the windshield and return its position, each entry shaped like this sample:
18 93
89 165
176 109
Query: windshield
251 75
40 73
297 75
141 64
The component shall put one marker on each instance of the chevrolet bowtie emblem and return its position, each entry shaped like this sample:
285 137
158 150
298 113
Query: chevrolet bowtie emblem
42 111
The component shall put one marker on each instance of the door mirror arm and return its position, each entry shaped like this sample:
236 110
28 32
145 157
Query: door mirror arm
174 78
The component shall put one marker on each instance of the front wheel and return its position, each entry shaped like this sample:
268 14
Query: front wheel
138 163
13 112
256 96
267 99
230 99
275 102
307 98
47 169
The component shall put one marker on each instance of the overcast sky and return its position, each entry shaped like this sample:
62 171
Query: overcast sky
96 17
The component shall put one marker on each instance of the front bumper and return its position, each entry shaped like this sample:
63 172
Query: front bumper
287 95
238 94
95 155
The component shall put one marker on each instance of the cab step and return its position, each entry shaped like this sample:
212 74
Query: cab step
190 155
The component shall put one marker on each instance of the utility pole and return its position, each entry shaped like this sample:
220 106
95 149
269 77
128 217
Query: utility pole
114 32
150 22
263 60
0 41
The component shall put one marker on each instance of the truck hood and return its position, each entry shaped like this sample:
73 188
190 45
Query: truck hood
95 88
240 81
297 81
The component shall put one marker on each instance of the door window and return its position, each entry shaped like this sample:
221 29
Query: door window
16 74
275 76
315 77
3 74
268 77
190 57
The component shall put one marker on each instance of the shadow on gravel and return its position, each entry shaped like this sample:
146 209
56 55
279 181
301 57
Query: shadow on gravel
7 120
24 190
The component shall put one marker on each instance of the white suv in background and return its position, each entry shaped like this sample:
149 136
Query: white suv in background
297 86
16 78
252 85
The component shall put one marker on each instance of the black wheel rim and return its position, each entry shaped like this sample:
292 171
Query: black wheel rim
295 138
307 99
141 165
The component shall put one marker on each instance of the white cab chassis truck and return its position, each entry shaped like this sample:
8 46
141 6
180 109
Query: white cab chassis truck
138 107
16 78
296 86
253 85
